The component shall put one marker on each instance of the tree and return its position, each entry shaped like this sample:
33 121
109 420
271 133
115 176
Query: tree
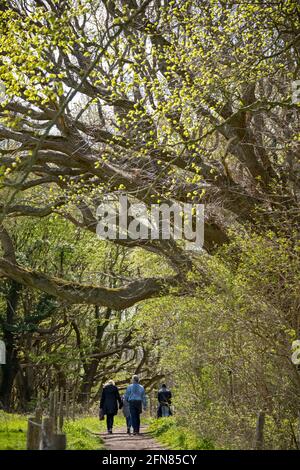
183 101
51 344
190 102
226 350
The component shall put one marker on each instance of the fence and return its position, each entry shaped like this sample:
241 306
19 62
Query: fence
45 433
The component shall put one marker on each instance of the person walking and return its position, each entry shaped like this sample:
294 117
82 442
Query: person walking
164 397
110 399
136 396
126 413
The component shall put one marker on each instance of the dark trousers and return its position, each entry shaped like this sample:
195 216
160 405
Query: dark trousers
109 421
135 407
128 421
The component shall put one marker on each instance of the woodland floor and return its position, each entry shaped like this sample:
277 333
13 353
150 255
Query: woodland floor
120 440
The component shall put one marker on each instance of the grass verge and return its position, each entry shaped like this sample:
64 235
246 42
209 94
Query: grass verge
12 431
174 436
82 434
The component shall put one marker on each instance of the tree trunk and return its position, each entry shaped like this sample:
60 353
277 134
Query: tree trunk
88 381
90 369
259 433
25 389
11 367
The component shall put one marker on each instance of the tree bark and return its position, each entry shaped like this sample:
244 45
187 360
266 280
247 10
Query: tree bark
75 293
11 367
90 368
259 434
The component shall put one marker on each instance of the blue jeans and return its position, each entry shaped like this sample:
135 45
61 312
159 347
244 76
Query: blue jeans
128 422
135 407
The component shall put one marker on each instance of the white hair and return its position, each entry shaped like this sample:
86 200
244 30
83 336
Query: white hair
109 382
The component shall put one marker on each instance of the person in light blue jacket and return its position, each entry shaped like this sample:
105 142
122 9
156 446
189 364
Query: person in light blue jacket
136 397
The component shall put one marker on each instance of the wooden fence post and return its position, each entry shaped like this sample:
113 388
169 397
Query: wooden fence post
34 430
38 415
59 441
41 433
34 433
259 433
47 440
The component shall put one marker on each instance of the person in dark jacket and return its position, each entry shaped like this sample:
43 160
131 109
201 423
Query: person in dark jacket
110 399
164 397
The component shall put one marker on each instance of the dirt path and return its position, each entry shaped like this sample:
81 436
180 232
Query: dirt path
120 440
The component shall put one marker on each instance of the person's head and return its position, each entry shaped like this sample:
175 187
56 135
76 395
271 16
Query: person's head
163 386
109 382
135 379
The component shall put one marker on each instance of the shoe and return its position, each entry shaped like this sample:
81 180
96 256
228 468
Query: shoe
109 431
128 430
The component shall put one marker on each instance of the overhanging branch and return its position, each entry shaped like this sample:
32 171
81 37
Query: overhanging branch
75 293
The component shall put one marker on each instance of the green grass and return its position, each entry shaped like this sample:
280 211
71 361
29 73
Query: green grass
12 431
172 435
81 433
